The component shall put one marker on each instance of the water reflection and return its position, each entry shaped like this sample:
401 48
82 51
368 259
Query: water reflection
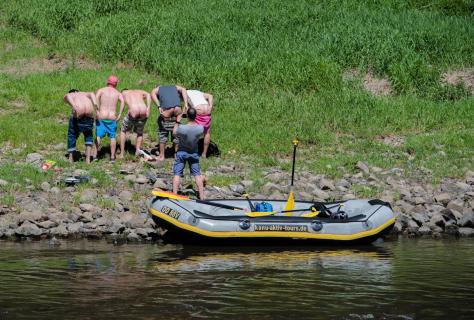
87 279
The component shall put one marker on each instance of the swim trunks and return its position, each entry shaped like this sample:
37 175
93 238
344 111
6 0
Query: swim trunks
135 124
76 126
165 128
183 157
204 120
105 127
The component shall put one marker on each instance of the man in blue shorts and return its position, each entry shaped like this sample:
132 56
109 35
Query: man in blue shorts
188 136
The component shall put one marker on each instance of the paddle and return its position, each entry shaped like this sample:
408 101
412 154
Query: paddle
170 195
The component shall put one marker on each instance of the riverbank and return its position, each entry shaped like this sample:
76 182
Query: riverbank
115 207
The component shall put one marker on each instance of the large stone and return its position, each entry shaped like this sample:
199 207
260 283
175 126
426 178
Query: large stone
126 195
141 179
348 196
31 216
34 158
412 226
28 229
88 196
47 224
86 216
456 204
320 194
419 218
362 167
270 187
276 195
325 184
424 230
276 177
466 232
443 198
305 196
87 207
132 236
451 227
75 227
160 184
237 188
247 184
467 220
45 186
438 220
60 231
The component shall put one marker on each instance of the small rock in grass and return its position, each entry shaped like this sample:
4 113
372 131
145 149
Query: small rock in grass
125 195
237 188
362 167
160 184
3 183
247 184
45 186
87 207
141 179
88 196
55 190
34 158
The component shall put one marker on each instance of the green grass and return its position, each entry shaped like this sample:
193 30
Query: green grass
274 67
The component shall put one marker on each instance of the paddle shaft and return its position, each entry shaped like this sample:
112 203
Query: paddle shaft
295 144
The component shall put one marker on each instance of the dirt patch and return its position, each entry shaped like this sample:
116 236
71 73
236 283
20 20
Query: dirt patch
466 77
377 86
15 105
22 67
350 75
392 140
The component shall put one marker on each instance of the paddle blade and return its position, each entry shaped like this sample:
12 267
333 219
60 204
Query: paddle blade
290 204
259 214
310 214
169 195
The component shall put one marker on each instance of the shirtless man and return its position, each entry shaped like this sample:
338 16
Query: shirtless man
169 103
138 113
106 119
203 103
81 120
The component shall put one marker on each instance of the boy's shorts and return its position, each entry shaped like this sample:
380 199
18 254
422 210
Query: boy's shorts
105 127
76 127
137 125
165 128
183 157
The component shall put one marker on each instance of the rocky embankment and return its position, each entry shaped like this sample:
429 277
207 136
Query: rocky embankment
118 211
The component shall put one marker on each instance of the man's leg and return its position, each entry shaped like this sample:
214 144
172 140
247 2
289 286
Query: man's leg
96 150
113 146
195 171
207 141
122 145
71 138
200 186
139 143
88 153
178 168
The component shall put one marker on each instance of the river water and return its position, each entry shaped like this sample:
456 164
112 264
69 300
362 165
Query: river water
400 279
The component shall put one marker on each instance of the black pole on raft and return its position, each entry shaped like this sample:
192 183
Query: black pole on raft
295 144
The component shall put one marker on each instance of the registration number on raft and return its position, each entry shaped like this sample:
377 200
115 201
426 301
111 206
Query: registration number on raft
170 212
281 227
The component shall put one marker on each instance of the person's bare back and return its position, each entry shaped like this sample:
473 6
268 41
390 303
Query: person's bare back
81 103
138 103
107 99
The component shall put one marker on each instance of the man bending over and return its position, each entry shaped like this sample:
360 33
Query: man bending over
138 103
188 136
202 102
167 98
106 118
81 120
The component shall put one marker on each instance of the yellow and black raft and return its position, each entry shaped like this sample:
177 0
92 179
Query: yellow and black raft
247 221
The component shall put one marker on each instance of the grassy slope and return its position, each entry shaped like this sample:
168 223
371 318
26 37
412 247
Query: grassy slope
274 67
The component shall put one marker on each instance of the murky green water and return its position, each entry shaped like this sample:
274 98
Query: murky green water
405 279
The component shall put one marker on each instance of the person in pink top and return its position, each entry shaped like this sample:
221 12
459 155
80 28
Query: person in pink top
203 103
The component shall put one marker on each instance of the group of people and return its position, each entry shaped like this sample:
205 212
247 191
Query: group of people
197 107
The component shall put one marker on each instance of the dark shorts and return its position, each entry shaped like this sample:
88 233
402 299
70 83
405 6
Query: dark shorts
76 127
183 157
105 127
137 125
165 129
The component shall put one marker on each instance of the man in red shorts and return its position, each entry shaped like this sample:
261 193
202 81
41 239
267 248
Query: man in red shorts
203 103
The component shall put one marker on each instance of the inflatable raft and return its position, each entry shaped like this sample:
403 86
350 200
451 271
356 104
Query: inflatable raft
237 221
